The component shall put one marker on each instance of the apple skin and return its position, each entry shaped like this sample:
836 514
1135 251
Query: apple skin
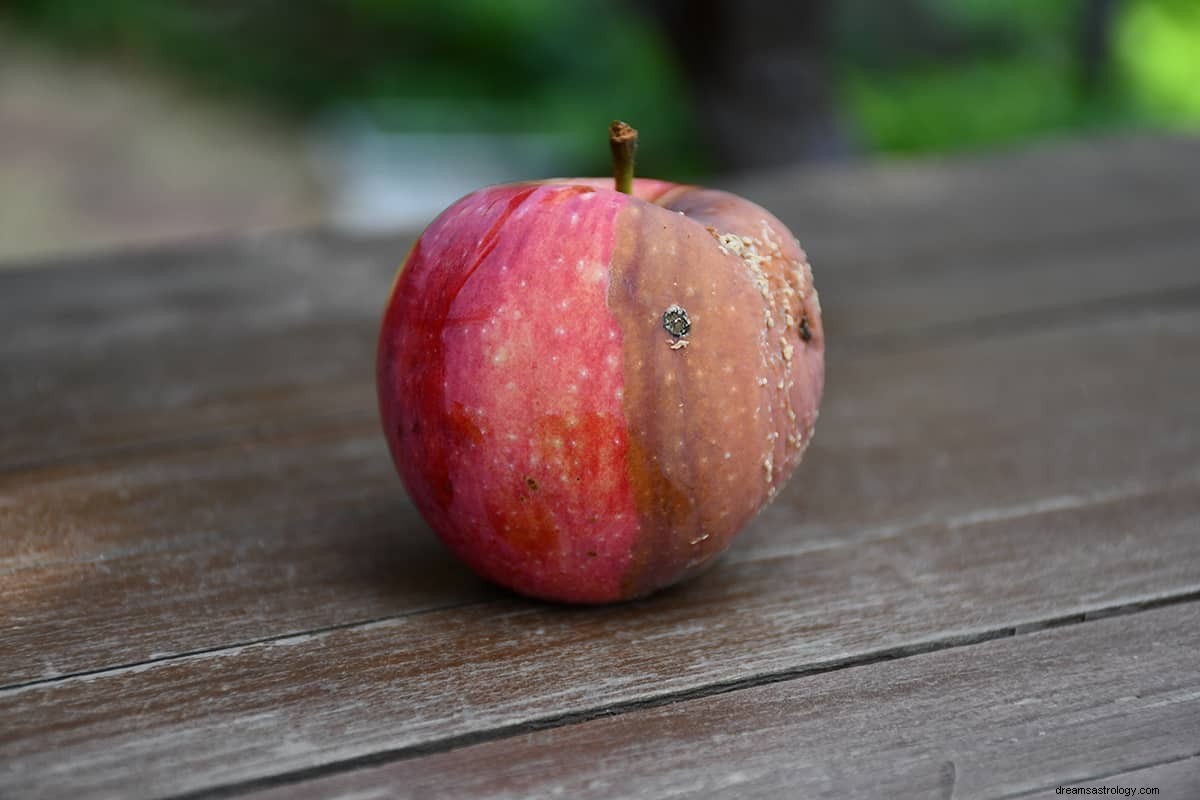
556 437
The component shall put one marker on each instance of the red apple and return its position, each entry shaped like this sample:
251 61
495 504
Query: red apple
587 393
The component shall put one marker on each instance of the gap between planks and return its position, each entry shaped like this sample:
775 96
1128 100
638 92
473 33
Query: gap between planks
582 716
965 722
134 667
875 535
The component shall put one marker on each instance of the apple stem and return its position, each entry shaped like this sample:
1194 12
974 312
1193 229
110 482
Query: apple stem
623 140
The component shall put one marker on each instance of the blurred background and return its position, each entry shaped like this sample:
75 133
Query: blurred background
135 121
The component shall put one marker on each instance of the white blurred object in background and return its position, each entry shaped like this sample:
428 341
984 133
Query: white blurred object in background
377 181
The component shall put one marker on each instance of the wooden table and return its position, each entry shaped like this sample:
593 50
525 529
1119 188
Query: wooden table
984 581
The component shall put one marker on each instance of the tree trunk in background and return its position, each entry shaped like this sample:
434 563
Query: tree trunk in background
1095 41
760 75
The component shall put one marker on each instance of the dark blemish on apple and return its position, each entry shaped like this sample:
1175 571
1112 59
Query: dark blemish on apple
805 333
532 484
592 553
676 322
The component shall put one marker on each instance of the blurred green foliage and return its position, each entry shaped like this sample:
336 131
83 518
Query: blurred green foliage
544 66
1158 46
914 76
965 74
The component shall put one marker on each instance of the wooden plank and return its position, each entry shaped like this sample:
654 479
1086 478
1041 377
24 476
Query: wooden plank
294 530
87 305
134 560
1029 420
991 720
1066 192
170 394
874 307
163 344
300 702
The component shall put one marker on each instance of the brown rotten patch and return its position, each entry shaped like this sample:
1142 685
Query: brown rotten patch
717 427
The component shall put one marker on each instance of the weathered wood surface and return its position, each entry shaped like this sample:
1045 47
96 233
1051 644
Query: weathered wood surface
161 348
995 719
210 578
442 677
1055 196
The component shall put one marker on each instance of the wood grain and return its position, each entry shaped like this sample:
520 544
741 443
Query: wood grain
169 345
213 546
993 720
877 308
143 556
90 304
299 702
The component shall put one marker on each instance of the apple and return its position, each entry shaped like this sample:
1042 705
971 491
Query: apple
588 390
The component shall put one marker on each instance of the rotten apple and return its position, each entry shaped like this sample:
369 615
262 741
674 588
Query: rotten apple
588 390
